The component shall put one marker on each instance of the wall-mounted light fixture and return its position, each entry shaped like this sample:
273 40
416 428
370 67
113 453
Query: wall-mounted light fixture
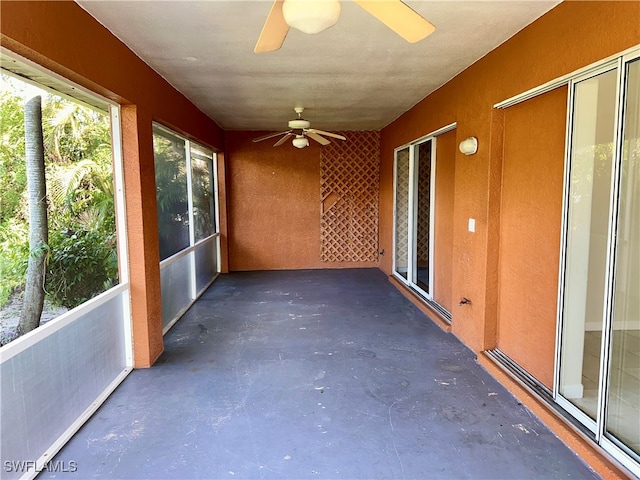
469 146
300 141
311 16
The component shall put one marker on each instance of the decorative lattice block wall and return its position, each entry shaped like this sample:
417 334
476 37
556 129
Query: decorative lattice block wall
349 187
402 209
424 207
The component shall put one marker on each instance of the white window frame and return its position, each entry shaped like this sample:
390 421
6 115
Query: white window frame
75 319
193 246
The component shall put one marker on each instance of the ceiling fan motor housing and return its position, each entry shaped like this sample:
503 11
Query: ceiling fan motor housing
299 123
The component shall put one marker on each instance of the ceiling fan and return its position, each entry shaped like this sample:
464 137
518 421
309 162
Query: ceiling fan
300 129
313 16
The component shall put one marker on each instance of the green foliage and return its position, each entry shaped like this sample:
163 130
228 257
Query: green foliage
82 247
73 132
82 264
13 178
82 191
202 201
171 194
14 255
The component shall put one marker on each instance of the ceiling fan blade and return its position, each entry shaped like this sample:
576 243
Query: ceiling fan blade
326 134
318 138
283 139
274 31
271 135
400 18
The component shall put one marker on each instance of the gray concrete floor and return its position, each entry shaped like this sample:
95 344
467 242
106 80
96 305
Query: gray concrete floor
313 374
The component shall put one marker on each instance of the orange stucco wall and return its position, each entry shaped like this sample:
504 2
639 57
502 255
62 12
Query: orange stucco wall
531 210
275 206
142 226
66 40
571 36
443 236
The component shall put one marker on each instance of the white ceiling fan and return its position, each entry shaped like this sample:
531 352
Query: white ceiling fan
300 129
314 16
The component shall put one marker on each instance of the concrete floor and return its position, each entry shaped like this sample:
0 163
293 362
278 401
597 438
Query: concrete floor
313 374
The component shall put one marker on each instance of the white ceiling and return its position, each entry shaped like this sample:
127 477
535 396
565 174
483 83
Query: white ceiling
357 75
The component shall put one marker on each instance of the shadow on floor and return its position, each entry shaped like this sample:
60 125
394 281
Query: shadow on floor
313 374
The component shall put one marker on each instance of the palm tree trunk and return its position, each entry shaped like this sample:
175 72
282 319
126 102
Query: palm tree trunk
38 223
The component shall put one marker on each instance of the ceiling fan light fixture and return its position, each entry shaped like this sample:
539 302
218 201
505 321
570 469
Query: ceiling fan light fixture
311 16
300 141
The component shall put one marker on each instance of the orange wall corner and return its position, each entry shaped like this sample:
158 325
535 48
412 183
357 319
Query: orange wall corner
142 236
276 204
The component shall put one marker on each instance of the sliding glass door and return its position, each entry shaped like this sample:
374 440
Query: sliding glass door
415 223
424 176
623 392
598 363
588 212
415 173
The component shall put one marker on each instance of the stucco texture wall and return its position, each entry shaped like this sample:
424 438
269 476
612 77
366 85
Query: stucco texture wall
569 37
531 210
443 236
275 199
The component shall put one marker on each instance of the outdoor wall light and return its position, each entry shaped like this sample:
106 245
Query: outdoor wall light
469 146
311 16
300 141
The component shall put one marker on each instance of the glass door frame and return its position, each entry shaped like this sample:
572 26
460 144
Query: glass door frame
566 404
597 427
414 178
412 217
395 266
